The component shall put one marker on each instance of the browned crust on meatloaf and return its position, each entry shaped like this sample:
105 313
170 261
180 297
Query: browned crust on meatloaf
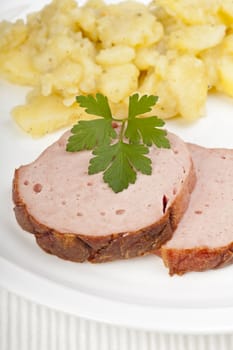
77 247
180 261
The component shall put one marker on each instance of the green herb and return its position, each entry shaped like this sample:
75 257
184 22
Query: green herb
118 155
90 133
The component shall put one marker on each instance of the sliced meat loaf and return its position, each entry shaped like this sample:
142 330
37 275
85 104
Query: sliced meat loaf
204 237
76 216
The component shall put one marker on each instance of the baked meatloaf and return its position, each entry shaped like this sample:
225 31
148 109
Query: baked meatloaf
204 237
76 216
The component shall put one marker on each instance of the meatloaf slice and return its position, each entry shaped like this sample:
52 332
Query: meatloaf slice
204 237
76 216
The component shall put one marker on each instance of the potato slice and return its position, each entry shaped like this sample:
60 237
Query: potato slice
118 82
194 39
115 55
42 115
128 23
16 66
192 12
225 69
190 93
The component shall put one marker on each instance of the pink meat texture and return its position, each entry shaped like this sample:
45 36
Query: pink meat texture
78 217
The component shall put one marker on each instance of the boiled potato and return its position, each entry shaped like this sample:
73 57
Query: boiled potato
49 114
219 64
192 12
125 24
16 66
227 45
86 18
177 50
196 38
68 74
115 55
91 74
146 57
119 81
53 54
191 93
13 35
226 12
153 84
210 59
225 68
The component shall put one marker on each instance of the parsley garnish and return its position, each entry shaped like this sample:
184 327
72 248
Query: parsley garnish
118 155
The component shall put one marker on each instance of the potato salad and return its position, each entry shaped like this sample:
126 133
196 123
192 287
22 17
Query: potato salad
177 50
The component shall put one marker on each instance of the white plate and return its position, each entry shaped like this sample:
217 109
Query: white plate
137 293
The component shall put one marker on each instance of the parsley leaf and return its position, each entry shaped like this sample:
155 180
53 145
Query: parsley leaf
120 162
138 106
87 134
145 128
97 106
90 133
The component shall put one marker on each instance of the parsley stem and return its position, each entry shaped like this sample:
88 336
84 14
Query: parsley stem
122 131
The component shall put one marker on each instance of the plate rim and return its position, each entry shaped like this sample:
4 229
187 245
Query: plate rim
43 291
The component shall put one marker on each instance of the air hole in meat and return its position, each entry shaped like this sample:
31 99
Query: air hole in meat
120 211
89 183
102 213
198 212
175 151
37 188
79 213
223 157
77 196
207 205
164 202
63 202
26 183
219 181
174 191
148 205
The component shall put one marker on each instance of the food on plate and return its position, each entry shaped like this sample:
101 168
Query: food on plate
177 50
83 200
81 217
149 202
78 217
204 237
118 154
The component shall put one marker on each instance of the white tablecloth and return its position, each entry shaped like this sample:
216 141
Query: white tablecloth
25 325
